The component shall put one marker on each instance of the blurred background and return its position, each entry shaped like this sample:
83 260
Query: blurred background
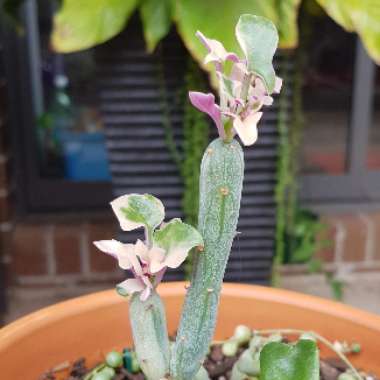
93 104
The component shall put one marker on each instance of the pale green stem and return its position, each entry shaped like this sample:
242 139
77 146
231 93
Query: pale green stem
245 88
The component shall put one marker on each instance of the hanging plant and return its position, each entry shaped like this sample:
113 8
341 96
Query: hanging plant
81 24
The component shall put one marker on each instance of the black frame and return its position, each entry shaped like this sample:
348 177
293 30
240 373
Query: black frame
358 188
34 193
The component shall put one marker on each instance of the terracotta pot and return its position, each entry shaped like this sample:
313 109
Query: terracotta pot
92 325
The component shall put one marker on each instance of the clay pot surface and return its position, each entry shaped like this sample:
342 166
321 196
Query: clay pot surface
92 325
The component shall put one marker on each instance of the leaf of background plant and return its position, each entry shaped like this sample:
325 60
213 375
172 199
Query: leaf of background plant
217 19
156 17
360 16
81 24
258 38
11 9
280 361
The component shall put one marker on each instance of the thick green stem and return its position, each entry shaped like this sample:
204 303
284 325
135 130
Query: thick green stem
221 179
150 335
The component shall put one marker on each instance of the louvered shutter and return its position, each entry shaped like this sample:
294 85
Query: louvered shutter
140 161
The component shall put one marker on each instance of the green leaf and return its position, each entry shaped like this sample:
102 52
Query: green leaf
11 9
280 361
156 19
137 210
258 39
360 16
81 24
176 238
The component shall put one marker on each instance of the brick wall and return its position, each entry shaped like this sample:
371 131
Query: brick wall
355 244
55 254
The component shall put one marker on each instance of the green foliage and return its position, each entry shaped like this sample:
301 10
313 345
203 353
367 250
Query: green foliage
280 361
196 129
81 24
284 180
360 16
258 38
156 17
150 335
302 243
189 154
221 180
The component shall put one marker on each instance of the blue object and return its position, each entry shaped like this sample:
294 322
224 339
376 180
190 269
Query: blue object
85 156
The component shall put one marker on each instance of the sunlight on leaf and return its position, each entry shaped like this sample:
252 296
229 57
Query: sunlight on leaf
80 24
156 19
360 16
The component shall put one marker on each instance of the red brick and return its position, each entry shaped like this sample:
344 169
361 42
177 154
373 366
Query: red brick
28 250
67 248
356 235
99 261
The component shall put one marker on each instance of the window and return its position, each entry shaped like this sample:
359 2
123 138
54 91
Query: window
58 133
341 168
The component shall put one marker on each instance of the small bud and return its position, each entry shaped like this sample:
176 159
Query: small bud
230 348
200 248
224 191
187 286
209 151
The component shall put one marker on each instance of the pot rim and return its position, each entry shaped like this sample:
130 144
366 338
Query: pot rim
86 303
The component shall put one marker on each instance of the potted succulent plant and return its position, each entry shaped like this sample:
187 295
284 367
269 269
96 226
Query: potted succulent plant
262 351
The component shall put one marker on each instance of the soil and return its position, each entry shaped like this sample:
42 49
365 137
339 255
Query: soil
218 366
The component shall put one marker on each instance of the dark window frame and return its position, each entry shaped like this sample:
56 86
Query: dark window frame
358 188
35 194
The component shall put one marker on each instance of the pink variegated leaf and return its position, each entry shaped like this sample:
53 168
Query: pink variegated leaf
206 104
216 52
247 128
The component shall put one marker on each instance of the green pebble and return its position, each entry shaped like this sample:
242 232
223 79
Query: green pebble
230 348
255 343
249 364
356 348
108 371
101 376
346 376
242 334
114 359
135 365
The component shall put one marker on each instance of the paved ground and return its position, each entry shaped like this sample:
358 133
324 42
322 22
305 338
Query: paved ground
361 290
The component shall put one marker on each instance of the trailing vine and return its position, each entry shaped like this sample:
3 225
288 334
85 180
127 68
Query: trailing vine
188 155
284 178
